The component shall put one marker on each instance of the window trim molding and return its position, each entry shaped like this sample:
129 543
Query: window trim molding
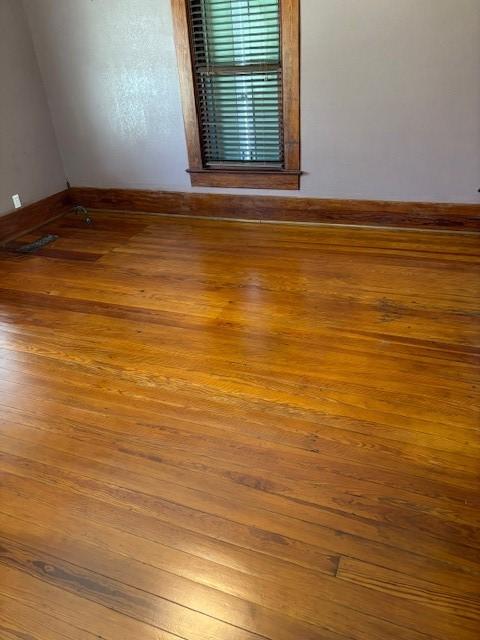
289 176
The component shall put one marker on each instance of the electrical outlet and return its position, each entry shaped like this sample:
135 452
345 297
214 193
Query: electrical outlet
16 201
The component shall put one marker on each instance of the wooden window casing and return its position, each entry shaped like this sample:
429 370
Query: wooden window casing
286 176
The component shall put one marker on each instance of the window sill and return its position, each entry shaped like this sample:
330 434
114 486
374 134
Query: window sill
245 179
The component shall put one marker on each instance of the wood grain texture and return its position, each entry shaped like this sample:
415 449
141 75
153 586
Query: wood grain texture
245 179
213 429
423 215
290 29
186 79
32 216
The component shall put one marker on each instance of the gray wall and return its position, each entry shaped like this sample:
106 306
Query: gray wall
390 95
30 164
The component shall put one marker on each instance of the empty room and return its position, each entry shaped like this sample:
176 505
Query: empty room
239 319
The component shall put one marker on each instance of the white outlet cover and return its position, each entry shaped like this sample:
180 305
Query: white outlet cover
16 201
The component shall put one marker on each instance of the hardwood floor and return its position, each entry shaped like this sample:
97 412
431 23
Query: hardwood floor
228 431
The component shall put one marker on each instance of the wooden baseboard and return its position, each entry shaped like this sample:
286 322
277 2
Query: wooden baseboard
458 217
33 215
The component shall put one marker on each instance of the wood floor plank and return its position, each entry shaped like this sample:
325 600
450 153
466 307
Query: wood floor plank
76 612
21 622
50 371
109 523
141 604
258 555
242 504
217 429
264 619
280 482
317 601
242 534
383 580
333 385
365 448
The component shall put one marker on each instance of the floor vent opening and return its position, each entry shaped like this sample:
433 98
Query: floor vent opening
37 244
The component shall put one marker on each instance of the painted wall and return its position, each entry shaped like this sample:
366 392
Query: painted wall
30 163
390 95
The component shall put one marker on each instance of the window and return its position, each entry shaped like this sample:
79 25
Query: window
239 77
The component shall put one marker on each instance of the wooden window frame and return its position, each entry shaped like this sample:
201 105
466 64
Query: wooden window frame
288 177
